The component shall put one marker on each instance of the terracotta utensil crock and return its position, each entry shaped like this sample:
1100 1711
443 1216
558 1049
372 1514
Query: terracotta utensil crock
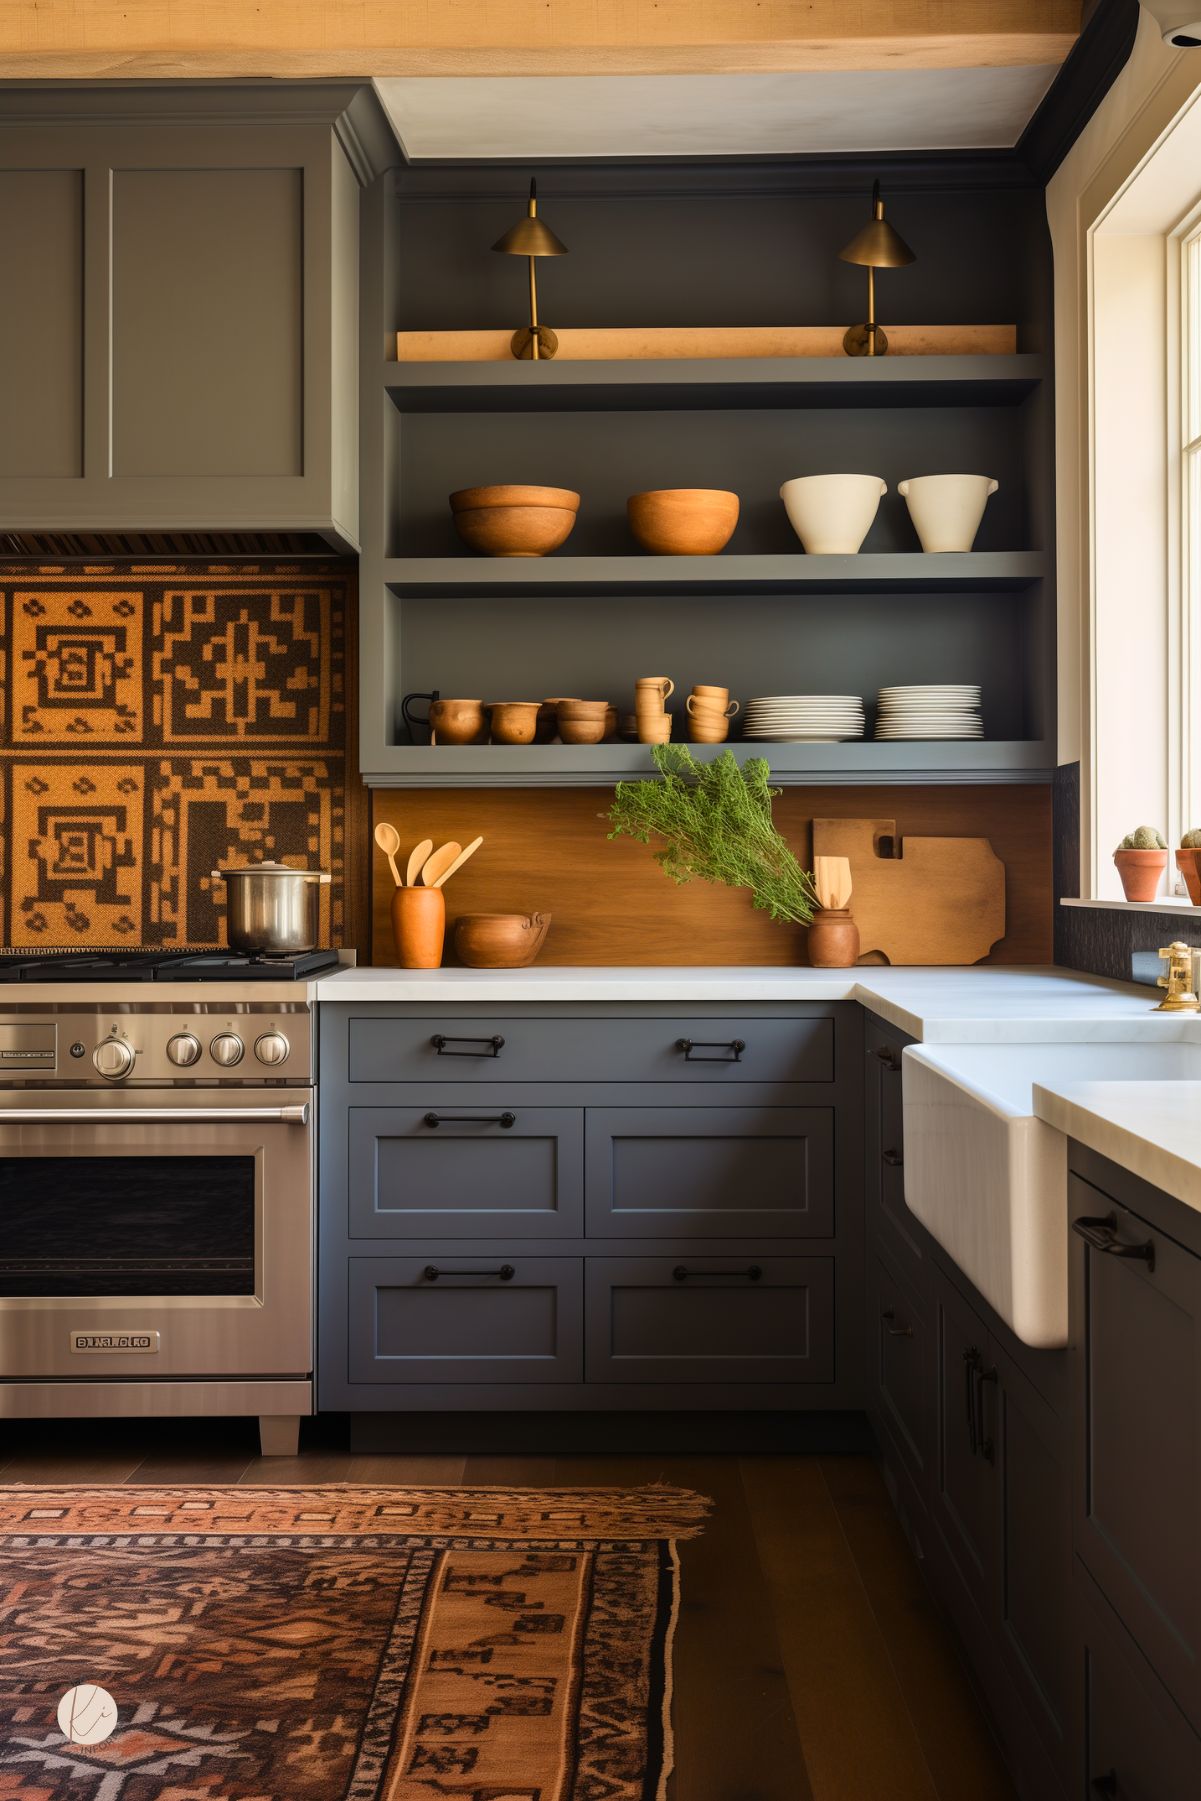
500 940
514 721
1141 872
418 926
833 939
683 522
514 521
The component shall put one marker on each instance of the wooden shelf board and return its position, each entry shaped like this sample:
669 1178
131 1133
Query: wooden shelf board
599 765
690 383
898 572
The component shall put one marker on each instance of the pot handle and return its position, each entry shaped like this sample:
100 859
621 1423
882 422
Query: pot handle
410 719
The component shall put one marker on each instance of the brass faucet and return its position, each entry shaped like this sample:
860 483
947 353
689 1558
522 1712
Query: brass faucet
1180 997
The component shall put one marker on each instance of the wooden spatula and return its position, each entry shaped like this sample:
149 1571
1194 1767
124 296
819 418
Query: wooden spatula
832 879
457 864
440 862
417 857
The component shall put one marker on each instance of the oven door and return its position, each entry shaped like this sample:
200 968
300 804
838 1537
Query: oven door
156 1234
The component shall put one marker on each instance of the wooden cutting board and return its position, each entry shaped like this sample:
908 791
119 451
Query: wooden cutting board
934 900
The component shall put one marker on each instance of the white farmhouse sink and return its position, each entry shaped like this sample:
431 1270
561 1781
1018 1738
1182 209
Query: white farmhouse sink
989 1181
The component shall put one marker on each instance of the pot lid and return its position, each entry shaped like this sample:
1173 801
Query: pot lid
274 869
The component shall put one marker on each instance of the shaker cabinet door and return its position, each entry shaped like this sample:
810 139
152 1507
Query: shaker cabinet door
965 1490
716 1172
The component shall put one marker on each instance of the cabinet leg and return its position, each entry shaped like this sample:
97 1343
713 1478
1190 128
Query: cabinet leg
279 1434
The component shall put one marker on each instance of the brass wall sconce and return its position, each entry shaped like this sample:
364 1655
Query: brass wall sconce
877 246
531 238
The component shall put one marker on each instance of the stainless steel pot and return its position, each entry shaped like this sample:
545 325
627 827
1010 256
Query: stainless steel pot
271 909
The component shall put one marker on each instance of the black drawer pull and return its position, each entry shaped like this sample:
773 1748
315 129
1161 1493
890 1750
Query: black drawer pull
888 1316
888 1057
734 1045
1104 1785
473 1119
681 1272
431 1272
972 1361
1102 1235
893 1159
983 1441
489 1047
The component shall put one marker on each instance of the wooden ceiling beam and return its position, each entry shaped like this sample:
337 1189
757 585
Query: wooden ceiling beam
202 39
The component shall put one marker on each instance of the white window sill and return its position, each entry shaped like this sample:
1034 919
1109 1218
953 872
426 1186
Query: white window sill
1176 903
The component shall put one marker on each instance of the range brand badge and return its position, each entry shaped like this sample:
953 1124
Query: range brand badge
145 1342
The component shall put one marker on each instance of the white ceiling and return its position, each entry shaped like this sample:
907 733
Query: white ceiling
514 117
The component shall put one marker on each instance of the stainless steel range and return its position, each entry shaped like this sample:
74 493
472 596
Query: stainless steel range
156 1189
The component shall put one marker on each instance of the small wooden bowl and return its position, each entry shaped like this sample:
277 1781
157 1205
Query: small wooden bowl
513 521
581 731
582 709
500 940
683 522
513 721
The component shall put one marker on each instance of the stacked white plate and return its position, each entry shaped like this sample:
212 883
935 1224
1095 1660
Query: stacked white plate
939 710
804 718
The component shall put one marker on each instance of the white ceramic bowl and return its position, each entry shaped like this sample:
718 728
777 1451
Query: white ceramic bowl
832 514
947 509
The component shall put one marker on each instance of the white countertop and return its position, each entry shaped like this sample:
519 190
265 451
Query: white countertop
1152 1129
982 1004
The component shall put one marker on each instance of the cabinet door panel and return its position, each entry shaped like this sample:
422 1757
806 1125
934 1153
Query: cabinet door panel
965 1478
463 1177
1035 1549
890 1219
41 323
717 1323
467 1323
1137 1392
1137 1746
207 375
718 1172
902 1369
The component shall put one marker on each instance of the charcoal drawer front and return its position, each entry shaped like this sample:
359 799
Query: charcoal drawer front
703 1052
468 1322
901 1367
1137 1745
714 1322
715 1172
466 1172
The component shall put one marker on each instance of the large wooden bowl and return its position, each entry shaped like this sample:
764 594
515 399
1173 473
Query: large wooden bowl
500 940
683 522
512 521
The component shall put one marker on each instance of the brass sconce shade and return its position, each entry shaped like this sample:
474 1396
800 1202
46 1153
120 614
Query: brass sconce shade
531 237
877 246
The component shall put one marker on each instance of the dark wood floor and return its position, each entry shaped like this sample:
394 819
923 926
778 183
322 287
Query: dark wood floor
811 1663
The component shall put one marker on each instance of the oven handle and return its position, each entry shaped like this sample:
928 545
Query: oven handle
154 1116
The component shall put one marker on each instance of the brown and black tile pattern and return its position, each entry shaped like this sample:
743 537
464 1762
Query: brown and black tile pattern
157 720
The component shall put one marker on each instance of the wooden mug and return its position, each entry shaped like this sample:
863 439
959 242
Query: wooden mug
418 926
698 707
660 686
710 728
703 692
654 728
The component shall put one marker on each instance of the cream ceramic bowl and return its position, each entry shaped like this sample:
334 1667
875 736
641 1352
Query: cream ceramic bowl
947 509
832 514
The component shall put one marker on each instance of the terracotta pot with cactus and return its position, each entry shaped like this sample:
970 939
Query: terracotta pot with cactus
1141 857
1187 860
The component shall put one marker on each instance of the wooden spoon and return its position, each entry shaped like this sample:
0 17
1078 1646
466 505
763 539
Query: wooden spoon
388 839
417 857
458 862
440 862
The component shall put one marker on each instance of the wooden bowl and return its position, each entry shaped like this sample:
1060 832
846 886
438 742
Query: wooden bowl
683 522
513 721
582 709
512 521
574 730
500 940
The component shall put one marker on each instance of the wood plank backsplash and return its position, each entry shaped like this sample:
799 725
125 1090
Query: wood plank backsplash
546 850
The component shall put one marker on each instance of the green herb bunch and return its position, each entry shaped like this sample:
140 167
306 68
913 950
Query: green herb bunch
716 821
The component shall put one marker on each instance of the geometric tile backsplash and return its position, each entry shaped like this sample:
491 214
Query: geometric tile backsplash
156 721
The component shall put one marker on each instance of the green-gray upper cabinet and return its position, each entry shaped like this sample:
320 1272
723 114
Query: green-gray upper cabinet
179 318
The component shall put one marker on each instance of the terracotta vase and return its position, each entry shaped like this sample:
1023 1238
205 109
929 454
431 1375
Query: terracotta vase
1141 872
1186 863
833 939
418 927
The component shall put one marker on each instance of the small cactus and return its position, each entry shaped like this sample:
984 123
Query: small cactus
1191 840
1144 837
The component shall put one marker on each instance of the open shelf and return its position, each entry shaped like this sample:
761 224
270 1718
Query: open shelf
599 765
687 383
974 572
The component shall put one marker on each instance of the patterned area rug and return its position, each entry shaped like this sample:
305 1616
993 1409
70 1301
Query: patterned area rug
341 1643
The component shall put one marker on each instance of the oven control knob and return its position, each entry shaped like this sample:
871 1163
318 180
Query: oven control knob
183 1049
226 1049
272 1047
113 1059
